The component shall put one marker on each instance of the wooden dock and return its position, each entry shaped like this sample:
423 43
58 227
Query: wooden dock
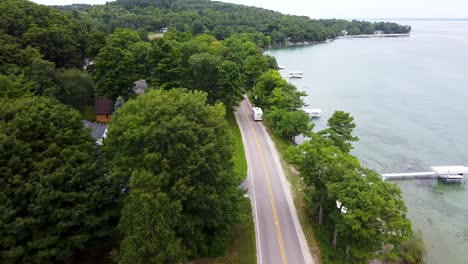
410 175
448 174
375 36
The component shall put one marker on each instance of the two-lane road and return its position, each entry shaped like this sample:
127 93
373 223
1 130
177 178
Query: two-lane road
278 232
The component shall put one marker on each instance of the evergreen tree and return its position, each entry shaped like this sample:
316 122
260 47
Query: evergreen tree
119 102
340 130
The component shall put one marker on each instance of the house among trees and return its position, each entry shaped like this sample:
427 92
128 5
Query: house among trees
139 87
98 131
103 108
87 62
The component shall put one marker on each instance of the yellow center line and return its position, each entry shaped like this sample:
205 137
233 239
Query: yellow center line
270 191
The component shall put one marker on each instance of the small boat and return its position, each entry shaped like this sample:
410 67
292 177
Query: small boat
296 75
313 113
281 67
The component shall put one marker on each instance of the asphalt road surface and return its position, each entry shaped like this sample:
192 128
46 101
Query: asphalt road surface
278 232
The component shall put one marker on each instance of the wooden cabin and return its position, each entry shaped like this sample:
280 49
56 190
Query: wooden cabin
103 108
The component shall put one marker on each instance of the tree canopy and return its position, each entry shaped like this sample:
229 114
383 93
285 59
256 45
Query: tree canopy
174 149
353 203
224 20
60 38
54 188
340 129
288 124
117 66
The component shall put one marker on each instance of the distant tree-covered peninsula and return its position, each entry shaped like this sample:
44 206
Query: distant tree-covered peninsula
224 20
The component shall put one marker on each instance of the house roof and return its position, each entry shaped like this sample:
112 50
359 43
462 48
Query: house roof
140 86
98 131
103 106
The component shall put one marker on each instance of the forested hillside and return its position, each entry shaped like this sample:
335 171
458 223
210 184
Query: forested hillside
42 52
224 19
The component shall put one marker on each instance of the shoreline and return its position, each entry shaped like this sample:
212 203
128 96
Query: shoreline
375 36
306 43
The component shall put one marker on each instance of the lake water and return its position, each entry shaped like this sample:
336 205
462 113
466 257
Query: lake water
409 98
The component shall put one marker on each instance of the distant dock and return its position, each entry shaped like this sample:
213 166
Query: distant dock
375 36
410 175
449 174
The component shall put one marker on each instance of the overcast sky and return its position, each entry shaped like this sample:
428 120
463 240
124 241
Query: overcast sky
344 8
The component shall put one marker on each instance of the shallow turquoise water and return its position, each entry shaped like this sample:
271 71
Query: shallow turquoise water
409 97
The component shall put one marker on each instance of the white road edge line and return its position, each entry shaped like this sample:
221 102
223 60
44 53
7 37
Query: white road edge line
253 200
292 208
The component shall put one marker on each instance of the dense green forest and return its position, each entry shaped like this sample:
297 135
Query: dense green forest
224 20
167 161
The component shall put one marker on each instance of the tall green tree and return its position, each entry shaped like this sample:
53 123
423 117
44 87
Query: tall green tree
374 214
289 124
14 86
77 88
340 130
165 64
320 162
57 43
265 86
96 42
230 89
43 74
286 97
204 73
272 91
254 67
119 64
54 188
148 222
182 141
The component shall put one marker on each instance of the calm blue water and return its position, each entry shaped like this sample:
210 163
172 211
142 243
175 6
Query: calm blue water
409 97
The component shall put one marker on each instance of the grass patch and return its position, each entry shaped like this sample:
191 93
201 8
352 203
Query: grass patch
242 249
240 163
298 194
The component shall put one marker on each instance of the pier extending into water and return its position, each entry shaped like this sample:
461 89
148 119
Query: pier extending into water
449 174
375 36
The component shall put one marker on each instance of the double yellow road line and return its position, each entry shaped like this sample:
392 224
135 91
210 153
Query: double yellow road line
270 191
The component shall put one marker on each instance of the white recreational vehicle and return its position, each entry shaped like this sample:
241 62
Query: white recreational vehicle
257 114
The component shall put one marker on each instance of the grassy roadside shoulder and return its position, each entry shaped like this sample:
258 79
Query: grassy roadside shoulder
298 197
242 249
